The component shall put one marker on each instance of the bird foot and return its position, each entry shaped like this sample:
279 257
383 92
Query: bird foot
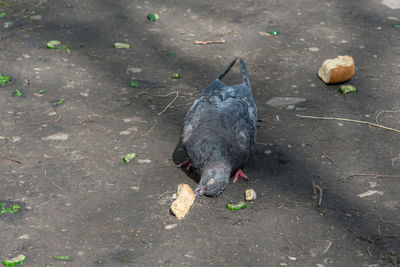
185 163
236 176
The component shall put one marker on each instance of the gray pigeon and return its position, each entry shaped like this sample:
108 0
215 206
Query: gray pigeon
219 132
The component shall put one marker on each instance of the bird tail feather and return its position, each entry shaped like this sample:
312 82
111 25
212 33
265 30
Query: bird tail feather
227 69
243 69
245 74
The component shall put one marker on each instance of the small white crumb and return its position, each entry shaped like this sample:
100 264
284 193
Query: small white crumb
133 119
143 161
292 258
373 184
126 132
133 70
24 236
313 49
56 137
15 139
170 226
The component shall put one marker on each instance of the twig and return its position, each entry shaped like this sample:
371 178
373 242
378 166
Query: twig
354 175
173 100
86 120
152 127
182 105
349 120
210 42
328 247
148 89
12 160
57 186
384 111
326 156
315 187
138 186
383 221
49 121
369 251
265 144
374 176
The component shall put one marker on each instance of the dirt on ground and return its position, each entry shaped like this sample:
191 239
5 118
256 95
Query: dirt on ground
62 141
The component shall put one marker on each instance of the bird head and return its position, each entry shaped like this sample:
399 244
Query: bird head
213 182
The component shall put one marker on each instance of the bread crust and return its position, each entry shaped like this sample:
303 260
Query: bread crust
185 199
337 70
341 74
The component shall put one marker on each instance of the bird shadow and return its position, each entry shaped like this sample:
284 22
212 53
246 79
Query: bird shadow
179 156
262 153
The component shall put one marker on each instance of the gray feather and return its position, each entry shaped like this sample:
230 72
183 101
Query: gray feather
219 131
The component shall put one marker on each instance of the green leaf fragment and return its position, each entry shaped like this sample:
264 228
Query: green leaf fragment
134 83
4 79
2 15
15 261
59 102
273 33
122 45
396 26
18 93
42 91
344 89
11 210
100 261
153 16
175 75
27 16
15 208
238 206
62 258
53 44
171 55
128 157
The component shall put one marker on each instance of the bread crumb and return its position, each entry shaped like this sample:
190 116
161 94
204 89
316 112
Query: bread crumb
185 199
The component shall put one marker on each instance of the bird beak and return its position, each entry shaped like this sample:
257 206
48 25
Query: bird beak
199 190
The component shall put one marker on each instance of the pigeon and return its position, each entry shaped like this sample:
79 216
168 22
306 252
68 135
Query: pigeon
219 132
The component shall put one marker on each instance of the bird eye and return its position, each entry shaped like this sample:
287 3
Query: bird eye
211 181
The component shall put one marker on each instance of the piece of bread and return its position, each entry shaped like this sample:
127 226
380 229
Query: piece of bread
185 199
337 70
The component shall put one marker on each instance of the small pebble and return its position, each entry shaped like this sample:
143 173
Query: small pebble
7 24
80 253
313 49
